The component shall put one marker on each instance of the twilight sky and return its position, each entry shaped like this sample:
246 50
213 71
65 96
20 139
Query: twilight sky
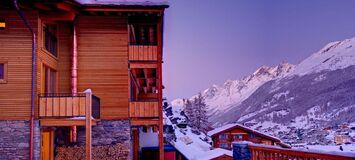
209 41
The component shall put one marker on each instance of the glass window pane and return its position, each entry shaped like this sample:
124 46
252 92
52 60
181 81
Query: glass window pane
2 71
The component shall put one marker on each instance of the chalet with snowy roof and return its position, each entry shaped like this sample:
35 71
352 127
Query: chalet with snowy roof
54 50
224 136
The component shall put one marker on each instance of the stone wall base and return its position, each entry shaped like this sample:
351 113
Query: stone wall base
14 140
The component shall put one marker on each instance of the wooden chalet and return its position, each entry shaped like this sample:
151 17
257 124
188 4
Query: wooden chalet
224 136
54 50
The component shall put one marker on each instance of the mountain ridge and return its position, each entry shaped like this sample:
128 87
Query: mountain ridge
314 94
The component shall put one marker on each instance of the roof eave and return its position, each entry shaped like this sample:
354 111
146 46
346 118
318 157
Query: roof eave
125 6
250 130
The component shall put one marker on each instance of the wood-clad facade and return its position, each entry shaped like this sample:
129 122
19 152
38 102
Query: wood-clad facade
103 62
15 52
116 53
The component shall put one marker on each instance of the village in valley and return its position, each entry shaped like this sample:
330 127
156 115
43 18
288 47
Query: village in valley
126 80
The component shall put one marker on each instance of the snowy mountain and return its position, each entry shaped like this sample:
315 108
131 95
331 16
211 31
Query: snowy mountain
233 92
295 103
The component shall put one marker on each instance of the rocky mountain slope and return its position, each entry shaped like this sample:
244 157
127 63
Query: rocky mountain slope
295 103
233 92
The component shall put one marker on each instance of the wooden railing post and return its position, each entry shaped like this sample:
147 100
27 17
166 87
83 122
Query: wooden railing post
88 126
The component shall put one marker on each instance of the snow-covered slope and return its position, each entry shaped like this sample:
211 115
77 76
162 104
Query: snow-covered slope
294 103
193 146
335 55
233 92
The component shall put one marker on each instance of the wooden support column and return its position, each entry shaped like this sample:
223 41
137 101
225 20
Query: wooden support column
88 125
135 133
160 87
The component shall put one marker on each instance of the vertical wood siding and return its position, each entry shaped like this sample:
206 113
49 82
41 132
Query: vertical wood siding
143 53
16 49
65 46
103 62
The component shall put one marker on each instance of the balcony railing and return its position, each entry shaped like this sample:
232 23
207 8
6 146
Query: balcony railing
143 52
61 105
265 152
144 109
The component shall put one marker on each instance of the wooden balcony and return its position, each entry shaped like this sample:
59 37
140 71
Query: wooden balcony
144 109
143 52
60 105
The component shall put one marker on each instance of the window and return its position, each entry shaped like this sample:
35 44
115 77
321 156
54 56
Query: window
50 38
2 24
49 80
223 136
3 72
238 136
224 145
251 135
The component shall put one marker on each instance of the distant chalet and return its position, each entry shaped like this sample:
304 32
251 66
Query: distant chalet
223 137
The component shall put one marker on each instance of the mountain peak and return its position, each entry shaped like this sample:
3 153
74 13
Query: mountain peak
280 69
262 70
333 56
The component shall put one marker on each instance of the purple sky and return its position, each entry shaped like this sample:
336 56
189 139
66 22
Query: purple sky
209 41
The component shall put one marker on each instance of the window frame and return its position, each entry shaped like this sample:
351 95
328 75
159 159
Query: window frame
251 135
44 25
223 136
3 20
238 136
47 87
4 80
224 145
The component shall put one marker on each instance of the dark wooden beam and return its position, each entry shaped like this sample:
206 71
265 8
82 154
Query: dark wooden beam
65 7
139 122
42 6
57 16
124 9
135 133
107 13
64 122
93 13
143 65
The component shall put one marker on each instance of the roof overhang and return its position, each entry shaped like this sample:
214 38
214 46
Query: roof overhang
77 6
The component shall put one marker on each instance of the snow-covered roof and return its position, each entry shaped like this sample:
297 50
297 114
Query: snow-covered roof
236 125
162 3
217 152
190 144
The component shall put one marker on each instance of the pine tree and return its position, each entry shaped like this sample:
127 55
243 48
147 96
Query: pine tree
201 118
189 112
